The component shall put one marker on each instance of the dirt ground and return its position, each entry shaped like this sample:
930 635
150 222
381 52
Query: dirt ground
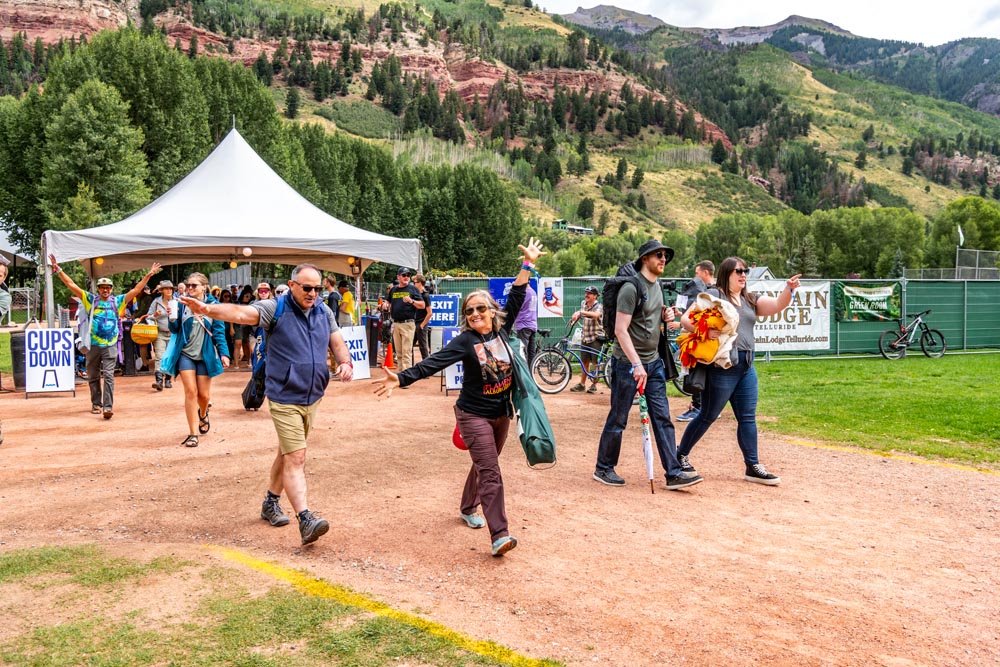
854 560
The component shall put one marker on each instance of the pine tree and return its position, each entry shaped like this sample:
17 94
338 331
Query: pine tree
262 68
621 171
861 159
637 177
585 209
292 102
718 152
193 47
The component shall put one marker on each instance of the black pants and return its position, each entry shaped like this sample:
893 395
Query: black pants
527 337
420 337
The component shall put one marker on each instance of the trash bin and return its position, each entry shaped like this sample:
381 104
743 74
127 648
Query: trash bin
373 329
17 358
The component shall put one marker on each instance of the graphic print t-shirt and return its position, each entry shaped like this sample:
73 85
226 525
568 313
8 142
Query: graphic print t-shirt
104 324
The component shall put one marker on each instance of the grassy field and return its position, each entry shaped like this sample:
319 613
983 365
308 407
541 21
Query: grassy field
80 605
5 364
916 405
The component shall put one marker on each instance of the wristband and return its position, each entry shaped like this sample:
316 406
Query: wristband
528 266
349 363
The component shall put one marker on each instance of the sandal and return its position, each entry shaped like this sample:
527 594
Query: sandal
190 441
95 410
203 424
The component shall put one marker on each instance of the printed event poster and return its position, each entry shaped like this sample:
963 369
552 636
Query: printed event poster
550 298
804 325
357 345
499 288
48 360
455 373
869 302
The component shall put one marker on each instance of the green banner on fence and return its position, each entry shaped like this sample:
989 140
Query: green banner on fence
868 302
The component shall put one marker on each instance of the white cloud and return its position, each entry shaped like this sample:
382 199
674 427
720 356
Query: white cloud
929 23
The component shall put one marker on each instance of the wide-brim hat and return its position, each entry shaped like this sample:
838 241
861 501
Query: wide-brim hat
649 247
105 281
164 284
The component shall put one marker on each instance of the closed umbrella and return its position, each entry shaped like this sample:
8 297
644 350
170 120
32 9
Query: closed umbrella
647 439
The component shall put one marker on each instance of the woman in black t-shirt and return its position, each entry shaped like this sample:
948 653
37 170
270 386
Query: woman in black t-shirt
483 409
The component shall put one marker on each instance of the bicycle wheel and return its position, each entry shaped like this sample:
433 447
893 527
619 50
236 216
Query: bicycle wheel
604 371
932 343
679 380
551 371
889 345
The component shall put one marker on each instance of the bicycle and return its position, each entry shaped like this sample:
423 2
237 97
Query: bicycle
894 342
552 366
675 352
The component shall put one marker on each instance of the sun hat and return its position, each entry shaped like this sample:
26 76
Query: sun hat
104 281
164 284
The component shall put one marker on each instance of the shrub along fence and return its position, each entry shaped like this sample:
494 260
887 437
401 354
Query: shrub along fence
967 312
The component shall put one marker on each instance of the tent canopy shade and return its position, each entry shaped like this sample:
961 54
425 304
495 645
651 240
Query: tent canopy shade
231 201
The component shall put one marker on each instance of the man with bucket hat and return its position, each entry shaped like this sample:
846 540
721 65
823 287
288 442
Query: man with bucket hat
102 339
163 311
636 366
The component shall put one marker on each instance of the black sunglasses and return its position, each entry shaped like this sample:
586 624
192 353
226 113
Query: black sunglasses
660 254
308 288
475 309
741 272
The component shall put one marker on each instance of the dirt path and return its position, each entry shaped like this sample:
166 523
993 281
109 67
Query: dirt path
854 559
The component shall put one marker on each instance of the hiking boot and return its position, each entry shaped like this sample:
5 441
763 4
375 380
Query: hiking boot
689 415
578 388
685 463
311 527
609 477
683 480
167 382
271 512
756 472
592 389
158 382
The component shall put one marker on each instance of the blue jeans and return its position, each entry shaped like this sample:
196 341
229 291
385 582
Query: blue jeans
623 390
738 387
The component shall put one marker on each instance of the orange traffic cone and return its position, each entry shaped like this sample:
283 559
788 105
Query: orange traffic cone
387 362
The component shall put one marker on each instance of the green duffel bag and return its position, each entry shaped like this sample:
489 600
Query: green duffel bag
533 427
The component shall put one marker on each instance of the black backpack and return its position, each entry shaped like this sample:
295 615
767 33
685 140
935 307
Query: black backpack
609 296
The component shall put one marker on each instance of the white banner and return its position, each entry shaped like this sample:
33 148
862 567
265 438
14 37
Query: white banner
357 345
48 360
804 325
550 297
454 374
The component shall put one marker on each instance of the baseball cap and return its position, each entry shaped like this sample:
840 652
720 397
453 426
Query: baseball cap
403 271
590 289
104 281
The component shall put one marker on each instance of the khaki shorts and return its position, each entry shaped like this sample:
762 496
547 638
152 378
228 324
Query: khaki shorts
292 422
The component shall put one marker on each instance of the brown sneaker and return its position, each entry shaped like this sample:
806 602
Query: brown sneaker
108 413
592 389
578 388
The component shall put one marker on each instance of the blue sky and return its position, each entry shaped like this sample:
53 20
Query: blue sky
931 23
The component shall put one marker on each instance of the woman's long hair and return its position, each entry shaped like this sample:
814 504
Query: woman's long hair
498 315
722 280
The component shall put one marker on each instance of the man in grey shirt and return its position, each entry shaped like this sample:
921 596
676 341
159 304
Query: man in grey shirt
636 366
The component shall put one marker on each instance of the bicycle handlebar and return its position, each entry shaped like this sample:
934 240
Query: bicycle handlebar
926 312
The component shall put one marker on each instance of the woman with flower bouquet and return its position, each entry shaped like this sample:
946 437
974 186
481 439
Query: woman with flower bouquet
734 380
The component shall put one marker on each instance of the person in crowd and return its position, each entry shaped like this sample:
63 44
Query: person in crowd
736 385
296 378
102 337
135 311
227 297
483 409
704 279
636 366
196 353
244 350
423 317
403 301
333 297
162 311
280 289
526 325
234 291
5 299
347 307
216 291
591 313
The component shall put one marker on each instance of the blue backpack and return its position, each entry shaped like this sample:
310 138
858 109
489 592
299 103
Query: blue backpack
253 393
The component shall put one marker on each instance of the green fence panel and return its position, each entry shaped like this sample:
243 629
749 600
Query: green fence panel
967 312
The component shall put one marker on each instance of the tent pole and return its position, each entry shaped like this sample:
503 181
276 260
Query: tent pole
357 299
50 308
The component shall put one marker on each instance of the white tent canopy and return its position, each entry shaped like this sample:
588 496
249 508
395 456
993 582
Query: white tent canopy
231 201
